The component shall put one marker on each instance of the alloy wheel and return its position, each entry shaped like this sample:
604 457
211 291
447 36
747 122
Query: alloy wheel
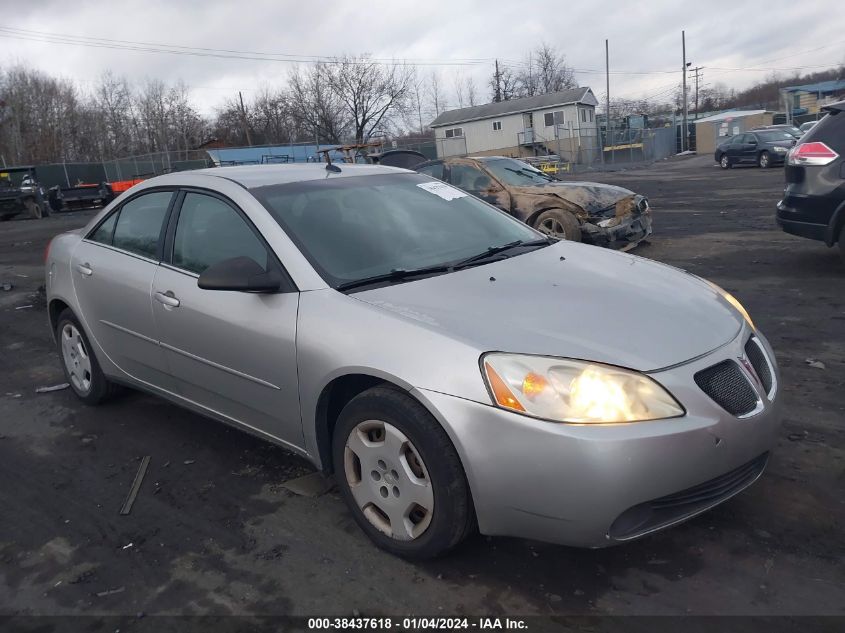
388 480
552 228
76 358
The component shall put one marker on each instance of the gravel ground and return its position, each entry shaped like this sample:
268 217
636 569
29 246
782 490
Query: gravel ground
213 531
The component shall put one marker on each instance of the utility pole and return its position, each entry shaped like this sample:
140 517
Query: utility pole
243 120
684 141
698 76
607 75
498 95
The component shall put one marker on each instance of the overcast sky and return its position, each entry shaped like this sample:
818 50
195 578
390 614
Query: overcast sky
645 37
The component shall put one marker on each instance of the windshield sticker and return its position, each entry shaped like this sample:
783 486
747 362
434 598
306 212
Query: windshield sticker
443 190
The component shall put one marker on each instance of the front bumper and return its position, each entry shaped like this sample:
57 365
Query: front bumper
629 232
582 484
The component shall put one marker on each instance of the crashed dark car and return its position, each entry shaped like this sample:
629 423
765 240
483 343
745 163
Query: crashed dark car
591 212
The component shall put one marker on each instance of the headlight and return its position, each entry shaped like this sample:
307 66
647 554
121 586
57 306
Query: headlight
727 296
574 391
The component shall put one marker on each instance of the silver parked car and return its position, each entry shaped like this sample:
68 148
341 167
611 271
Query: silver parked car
452 367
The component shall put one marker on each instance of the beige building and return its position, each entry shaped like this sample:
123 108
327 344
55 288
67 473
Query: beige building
714 130
519 127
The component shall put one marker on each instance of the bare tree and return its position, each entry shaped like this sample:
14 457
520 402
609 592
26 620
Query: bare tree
472 95
435 93
317 108
553 74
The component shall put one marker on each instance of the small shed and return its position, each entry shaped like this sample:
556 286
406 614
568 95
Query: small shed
714 130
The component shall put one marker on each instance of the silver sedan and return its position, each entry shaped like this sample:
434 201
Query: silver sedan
453 368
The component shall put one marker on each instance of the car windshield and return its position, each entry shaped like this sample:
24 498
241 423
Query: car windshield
357 227
769 136
515 172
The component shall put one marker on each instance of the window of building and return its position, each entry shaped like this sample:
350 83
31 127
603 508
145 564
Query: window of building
553 118
592 114
497 126
583 115
454 132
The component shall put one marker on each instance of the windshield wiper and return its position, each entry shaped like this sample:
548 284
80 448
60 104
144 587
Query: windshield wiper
495 250
397 274
530 176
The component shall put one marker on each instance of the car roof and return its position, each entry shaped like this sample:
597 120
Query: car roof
250 176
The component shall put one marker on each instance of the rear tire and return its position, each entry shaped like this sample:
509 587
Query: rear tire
400 475
764 160
34 209
82 371
725 162
560 224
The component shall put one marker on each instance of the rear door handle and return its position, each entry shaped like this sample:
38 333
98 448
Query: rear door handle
167 299
85 269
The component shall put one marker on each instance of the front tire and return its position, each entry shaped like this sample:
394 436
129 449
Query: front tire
400 475
764 160
559 224
725 162
80 365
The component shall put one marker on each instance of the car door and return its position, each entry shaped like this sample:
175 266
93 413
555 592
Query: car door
231 352
479 183
749 148
112 270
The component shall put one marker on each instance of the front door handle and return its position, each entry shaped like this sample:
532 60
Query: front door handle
85 269
167 299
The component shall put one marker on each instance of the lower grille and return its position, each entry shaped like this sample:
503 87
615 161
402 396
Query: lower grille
658 513
760 363
728 387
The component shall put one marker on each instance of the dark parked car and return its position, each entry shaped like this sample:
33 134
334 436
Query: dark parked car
765 148
813 203
591 212
796 132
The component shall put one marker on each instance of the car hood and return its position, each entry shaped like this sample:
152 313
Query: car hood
571 300
593 197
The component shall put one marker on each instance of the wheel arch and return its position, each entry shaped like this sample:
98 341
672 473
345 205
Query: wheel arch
54 309
834 228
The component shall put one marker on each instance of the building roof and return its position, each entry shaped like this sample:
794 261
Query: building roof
512 106
833 85
730 114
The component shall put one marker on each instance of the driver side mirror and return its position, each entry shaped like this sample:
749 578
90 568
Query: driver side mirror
241 274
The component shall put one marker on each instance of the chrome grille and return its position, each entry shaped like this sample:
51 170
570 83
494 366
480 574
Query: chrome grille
728 387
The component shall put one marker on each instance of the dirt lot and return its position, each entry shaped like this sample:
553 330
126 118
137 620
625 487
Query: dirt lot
213 531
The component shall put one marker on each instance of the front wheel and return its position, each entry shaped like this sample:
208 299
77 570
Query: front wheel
765 160
400 475
725 162
560 224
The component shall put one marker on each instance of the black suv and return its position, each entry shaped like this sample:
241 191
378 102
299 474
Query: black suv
813 203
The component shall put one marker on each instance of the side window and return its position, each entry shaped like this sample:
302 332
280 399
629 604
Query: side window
469 178
209 231
105 231
139 223
435 170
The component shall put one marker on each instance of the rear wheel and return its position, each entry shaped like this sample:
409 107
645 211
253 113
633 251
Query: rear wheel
725 162
400 475
34 209
764 160
560 224
80 364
